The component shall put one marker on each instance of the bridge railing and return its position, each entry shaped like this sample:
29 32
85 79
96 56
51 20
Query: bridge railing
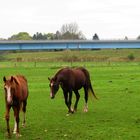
68 44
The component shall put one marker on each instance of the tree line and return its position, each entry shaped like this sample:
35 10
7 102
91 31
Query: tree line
66 32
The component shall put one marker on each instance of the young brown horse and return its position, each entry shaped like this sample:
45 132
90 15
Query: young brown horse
71 80
16 93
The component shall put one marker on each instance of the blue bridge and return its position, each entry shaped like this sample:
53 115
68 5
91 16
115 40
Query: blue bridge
68 44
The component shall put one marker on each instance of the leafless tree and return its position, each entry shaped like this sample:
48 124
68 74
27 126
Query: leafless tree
71 31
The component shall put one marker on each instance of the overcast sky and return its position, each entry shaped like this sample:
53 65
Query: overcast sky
110 19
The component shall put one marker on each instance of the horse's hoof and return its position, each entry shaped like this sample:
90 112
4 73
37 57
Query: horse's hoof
85 110
23 125
8 135
75 110
71 111
18 135
14 132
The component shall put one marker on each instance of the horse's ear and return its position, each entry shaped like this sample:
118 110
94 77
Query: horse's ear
12 79
4 79
49 79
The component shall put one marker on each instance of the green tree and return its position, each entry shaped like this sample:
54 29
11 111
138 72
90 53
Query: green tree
40 36
95 37
21 36
50 36
57 35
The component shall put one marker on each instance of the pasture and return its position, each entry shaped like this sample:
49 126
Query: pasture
115 115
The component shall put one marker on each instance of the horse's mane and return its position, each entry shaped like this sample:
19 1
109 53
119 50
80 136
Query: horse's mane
59 71
17 80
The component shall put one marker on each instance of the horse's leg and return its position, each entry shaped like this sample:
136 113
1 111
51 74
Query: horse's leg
7 116
24 111
86 99
66 97
15 125
16 115
69 102
77 99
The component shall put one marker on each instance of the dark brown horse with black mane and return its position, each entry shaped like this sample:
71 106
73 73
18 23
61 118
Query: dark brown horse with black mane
71 80
16 93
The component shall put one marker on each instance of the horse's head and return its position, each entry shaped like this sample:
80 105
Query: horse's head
9 87
54 86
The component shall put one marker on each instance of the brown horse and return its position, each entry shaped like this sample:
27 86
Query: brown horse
16 93
71 80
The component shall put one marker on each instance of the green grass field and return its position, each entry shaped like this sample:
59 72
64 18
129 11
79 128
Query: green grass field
115 116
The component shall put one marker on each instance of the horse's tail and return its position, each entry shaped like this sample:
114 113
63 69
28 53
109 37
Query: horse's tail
90 87
88 81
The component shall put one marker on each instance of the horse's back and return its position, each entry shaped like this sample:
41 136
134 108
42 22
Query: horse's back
79 78
82 75
74 78
23 86
85 71
65 73
78 74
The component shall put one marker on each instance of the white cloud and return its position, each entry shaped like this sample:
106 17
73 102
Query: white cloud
108 18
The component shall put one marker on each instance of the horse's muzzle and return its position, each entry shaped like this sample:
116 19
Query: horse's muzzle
52 97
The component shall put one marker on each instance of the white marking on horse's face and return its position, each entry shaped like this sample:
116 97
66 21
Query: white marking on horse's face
51 92
9 96
51 84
